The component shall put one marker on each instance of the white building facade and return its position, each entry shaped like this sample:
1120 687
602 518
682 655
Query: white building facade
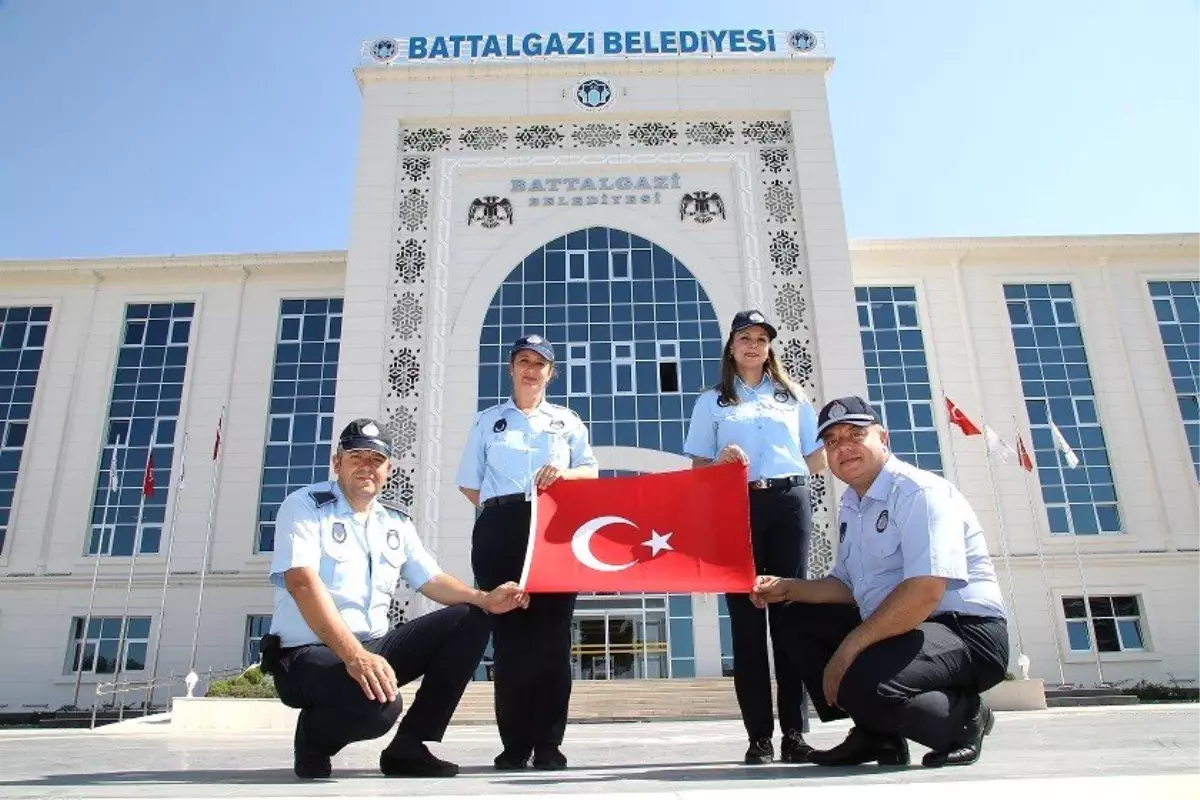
625 209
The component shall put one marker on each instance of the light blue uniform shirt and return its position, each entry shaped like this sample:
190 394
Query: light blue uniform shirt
774 429
506 448
912 523
358 563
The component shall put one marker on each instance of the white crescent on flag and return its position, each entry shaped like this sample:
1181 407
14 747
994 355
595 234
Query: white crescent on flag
581 544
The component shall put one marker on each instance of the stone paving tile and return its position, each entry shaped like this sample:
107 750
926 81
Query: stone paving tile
1041 750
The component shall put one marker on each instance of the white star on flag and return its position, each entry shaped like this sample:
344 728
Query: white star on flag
658 542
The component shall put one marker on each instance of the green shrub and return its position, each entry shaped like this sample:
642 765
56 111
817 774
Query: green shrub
251 683
1164 693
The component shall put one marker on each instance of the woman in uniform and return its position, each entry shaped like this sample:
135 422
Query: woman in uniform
513 449
757 416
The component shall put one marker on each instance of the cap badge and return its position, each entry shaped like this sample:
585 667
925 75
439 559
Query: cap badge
882 521
370 429
756 317
339 532
535 339
842 533
393 540
499 426
837 411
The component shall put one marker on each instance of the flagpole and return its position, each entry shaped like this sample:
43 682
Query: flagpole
123 642
1037 543
162 603
218 454
1093 646
114 480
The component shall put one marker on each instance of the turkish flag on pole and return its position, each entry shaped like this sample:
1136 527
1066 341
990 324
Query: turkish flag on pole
148 477
686 531
1026 461
957 417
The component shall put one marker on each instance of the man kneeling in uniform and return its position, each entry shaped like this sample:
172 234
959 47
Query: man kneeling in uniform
928 634
338 554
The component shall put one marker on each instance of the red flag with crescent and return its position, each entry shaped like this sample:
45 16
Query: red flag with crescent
686 531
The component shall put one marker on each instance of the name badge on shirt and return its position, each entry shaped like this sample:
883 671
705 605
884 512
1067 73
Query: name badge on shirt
393 540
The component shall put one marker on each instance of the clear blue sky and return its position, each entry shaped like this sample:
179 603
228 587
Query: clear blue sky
198 126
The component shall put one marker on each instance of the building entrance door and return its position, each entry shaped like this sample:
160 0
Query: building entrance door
611 643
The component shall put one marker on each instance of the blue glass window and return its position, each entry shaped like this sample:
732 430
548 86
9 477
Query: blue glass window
300 423
1057 385
630 295
1177 307
143 415
898 372
22 339
257 626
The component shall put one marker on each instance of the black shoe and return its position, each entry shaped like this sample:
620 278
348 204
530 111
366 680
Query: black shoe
793 749
511 760
968 752
760 751
307 763
549 758
862 747
409 758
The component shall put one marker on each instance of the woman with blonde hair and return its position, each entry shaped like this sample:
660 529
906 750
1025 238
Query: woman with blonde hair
757 416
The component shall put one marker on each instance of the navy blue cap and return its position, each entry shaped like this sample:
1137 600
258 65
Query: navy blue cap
365 434
847 410
535 343
750 318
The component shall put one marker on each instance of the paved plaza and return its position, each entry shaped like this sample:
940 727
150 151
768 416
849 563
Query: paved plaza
1153 751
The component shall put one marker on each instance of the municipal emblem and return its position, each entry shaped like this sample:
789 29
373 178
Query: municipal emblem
881 522
393 540
339 532
703 207
842 533
499 426
557 425
490 210
782 396
593 94
533 339
837 411
802 41
385 51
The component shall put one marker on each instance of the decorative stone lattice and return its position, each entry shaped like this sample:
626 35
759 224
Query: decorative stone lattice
769 142
709 133
596 134
654 134
483 137
406 315
398 610
540 137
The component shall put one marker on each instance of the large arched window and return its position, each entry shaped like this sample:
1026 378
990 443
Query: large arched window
635 335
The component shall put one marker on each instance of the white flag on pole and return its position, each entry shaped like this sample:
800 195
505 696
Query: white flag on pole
1061 443
112 468
997 446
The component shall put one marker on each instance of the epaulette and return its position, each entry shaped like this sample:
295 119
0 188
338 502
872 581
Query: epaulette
323 498
393 506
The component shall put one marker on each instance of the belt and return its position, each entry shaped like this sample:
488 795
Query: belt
504 499
780 483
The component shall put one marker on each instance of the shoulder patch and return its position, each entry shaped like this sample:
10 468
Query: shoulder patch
323 498
396 507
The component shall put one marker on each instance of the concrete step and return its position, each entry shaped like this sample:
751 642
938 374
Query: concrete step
1091 700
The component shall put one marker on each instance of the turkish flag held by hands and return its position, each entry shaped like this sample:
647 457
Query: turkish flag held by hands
686 531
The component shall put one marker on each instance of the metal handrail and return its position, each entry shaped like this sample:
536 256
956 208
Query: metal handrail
145 685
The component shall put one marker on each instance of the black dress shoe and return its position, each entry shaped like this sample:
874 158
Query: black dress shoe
510 760
307 763
968 752
417 762
760 751
793 749
549 758
861 747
